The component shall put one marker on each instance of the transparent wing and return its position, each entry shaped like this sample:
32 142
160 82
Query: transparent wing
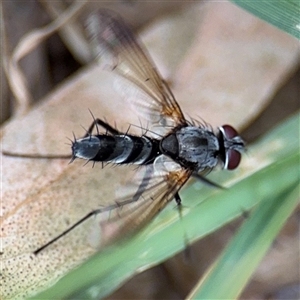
158 185
116 47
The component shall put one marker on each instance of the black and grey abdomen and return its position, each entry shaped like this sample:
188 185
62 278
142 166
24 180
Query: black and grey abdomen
119 149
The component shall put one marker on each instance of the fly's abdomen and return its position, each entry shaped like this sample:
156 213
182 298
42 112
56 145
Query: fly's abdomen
118 149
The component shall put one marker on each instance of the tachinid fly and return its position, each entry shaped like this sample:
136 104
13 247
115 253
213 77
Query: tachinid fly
178 148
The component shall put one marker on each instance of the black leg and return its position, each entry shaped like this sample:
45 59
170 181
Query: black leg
207 181
95 212
103 124
187 253
177 199
36 156
92 213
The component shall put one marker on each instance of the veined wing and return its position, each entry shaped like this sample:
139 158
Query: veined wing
116 47
159 184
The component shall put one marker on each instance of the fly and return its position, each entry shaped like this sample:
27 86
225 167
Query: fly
179 149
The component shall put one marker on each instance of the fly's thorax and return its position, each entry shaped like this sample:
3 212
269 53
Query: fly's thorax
192 146
199 146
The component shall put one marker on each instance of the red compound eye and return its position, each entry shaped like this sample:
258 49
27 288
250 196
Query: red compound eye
229 132
232 157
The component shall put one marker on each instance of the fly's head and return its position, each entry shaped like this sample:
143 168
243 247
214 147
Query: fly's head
231 147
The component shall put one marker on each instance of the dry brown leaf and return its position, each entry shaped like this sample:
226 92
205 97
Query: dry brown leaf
28 43
220 79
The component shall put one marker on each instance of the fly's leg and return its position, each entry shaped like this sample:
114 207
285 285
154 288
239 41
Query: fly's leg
187 251
207 181
36 156
178 199
103 124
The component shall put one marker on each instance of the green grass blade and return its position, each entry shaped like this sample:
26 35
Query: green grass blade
283 14
232 271
272 167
